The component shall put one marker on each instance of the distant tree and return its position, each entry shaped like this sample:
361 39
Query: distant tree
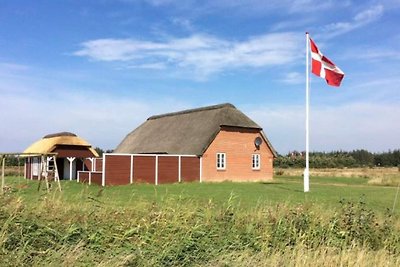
99 151
102 151
13 161
363 157
339 159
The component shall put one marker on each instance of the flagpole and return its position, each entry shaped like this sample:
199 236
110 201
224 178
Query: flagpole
307 169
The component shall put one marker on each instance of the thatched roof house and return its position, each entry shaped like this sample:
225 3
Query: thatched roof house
229 145
59 142
70 149
188 132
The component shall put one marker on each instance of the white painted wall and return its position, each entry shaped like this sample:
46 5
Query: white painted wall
66 169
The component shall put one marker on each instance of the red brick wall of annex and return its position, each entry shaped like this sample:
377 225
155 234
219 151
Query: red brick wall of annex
96 178
238 144
168 169
88 165
99 164
144 169
84 177
190 171
72 151
117 169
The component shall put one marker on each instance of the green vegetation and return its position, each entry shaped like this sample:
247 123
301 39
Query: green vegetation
343 221
340 159
325 191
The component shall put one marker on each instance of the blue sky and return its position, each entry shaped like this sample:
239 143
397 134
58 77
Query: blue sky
100 68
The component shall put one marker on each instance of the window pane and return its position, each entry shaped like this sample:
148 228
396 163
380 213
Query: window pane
220 160
256 161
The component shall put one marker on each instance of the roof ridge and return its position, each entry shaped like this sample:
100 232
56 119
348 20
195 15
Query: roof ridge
224 105
60 134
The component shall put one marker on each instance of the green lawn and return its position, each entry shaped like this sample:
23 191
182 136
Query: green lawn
200 224
325 191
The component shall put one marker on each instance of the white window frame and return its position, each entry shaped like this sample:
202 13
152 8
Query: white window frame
221 161
48 159
256 161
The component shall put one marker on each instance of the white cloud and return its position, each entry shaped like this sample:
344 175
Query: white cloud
202 54
151 66
373 54
302 6
359 20
13 67
294 78
184 23
101 119
105 118
159 2
248 8
351 126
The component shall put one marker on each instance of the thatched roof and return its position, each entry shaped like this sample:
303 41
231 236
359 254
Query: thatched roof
49 143
187 132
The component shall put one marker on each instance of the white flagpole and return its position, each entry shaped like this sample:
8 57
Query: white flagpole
307 169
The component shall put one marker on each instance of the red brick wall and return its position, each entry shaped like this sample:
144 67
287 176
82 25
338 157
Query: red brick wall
190 169
72 151
117 169
238 144
99 164
96 178
168 170
144 169
88 165
84 177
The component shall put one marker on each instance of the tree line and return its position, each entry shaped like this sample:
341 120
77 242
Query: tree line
295 159
339 159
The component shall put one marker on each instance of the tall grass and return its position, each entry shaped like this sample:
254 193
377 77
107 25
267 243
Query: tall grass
387 176
182 232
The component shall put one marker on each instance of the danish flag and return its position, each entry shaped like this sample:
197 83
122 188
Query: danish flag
324 68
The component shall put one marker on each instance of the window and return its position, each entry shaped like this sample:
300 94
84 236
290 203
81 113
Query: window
256 161
221 161
35 167
50 163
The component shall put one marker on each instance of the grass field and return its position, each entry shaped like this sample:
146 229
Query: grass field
325 191
342 221
375 176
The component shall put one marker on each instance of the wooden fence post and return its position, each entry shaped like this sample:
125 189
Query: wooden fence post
3 162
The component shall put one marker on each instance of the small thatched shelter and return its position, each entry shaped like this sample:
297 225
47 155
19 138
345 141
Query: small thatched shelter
70 151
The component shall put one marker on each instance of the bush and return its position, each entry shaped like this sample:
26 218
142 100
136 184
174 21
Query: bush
180 233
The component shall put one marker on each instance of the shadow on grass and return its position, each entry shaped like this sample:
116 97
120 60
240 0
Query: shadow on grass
271 183
279 185
289 189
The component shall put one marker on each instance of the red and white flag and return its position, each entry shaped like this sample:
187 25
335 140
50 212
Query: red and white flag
324 68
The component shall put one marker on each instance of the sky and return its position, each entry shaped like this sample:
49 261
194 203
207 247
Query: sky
101 68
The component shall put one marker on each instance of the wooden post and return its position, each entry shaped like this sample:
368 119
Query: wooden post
56 173
40 172
71 161
3 162
179 168
46 176
41 169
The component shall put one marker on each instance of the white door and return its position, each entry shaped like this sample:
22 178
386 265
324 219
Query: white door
67 169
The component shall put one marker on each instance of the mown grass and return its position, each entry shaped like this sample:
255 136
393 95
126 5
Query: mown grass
224 224
325 192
